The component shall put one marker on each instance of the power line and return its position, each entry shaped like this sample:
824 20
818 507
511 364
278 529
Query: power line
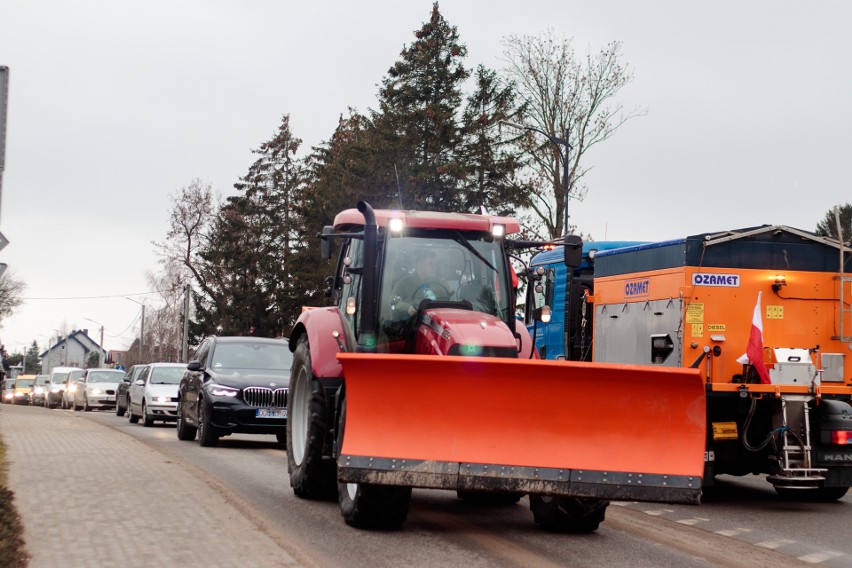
109 296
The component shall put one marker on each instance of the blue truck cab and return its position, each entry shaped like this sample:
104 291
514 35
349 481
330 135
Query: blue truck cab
565 337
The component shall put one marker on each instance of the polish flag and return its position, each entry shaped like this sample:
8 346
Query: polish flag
754 351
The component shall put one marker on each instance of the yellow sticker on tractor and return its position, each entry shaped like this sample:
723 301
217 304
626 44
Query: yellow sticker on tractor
697 330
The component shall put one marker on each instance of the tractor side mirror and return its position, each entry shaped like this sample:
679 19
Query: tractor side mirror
194 366
573 251
326 244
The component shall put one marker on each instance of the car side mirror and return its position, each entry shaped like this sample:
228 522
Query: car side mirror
194 366
139 382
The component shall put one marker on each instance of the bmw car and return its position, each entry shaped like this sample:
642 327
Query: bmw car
235 385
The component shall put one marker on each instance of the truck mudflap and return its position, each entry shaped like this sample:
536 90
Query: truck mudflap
608 431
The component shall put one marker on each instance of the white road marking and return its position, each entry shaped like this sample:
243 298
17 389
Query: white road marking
693 521
773 544
817 557
658 512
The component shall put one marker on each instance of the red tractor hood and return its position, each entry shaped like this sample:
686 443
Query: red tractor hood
450 331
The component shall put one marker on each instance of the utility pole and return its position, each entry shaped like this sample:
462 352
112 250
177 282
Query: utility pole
101 346
141 330
184 355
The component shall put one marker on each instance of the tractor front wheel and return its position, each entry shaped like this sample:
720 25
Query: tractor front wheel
568 514
311 476
365 506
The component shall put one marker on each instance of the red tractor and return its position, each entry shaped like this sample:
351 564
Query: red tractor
421 375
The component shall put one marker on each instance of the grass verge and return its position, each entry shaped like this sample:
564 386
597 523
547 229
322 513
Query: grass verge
12 553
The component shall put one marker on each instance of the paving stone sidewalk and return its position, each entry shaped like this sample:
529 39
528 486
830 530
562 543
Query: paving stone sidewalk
92 496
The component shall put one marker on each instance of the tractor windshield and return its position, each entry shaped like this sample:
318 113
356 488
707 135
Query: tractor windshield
447 266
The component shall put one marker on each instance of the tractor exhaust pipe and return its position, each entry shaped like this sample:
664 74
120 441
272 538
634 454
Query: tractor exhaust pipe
367 337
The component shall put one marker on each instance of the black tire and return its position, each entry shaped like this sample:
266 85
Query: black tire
366 506
86 407
132 418
185 432
489 498
207 434
818 495
282 438
74 406
147 420
311 477
119 411
568 514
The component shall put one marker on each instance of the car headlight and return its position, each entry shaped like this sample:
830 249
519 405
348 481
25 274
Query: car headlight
19 394
162 399
55 389
96 390
72 388
219 390
38 390
8 396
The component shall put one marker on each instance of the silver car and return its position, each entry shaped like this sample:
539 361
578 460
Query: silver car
153 395
96 389
71 386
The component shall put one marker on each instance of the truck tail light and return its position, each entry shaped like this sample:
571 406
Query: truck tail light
841 437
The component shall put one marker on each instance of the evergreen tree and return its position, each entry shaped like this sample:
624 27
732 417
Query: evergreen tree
33 364
828 226
418 123
491 162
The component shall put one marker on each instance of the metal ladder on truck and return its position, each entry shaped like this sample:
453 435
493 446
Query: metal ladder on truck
795 463
845 333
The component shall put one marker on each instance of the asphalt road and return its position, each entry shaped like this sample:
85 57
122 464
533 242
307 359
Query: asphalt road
743 523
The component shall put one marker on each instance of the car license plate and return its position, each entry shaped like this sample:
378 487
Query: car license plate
271 413
109 398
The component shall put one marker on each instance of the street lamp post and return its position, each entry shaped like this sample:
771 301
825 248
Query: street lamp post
101 346
141 328
558 142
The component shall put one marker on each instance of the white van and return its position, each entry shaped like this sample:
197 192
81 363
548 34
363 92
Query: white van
58 382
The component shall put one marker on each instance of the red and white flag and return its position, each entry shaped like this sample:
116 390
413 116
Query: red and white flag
754 351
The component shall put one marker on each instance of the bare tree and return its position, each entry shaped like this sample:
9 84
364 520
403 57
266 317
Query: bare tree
11 294
566 99
193 210
164 325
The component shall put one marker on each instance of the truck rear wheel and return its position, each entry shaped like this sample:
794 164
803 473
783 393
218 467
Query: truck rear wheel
818 495
365 506
310 476
568 514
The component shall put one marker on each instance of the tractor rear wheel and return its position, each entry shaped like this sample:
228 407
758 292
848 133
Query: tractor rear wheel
311 476
368 506
568 514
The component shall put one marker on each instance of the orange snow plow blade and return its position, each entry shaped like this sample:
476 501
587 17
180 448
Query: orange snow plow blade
609 431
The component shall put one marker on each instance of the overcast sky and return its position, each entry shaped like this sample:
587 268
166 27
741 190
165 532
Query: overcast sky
114 105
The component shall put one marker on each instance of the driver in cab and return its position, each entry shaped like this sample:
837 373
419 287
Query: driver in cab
422 284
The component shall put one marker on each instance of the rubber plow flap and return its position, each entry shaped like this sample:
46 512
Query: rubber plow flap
610 431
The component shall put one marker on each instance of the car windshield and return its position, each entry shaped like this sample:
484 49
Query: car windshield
166 375
74 375
42 380
24 383
248 355
58 378
104 376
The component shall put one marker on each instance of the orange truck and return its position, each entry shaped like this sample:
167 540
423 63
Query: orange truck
435 383
699 302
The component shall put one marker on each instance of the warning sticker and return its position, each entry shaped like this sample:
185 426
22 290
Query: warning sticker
774 312
716 327
697 330
695 313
